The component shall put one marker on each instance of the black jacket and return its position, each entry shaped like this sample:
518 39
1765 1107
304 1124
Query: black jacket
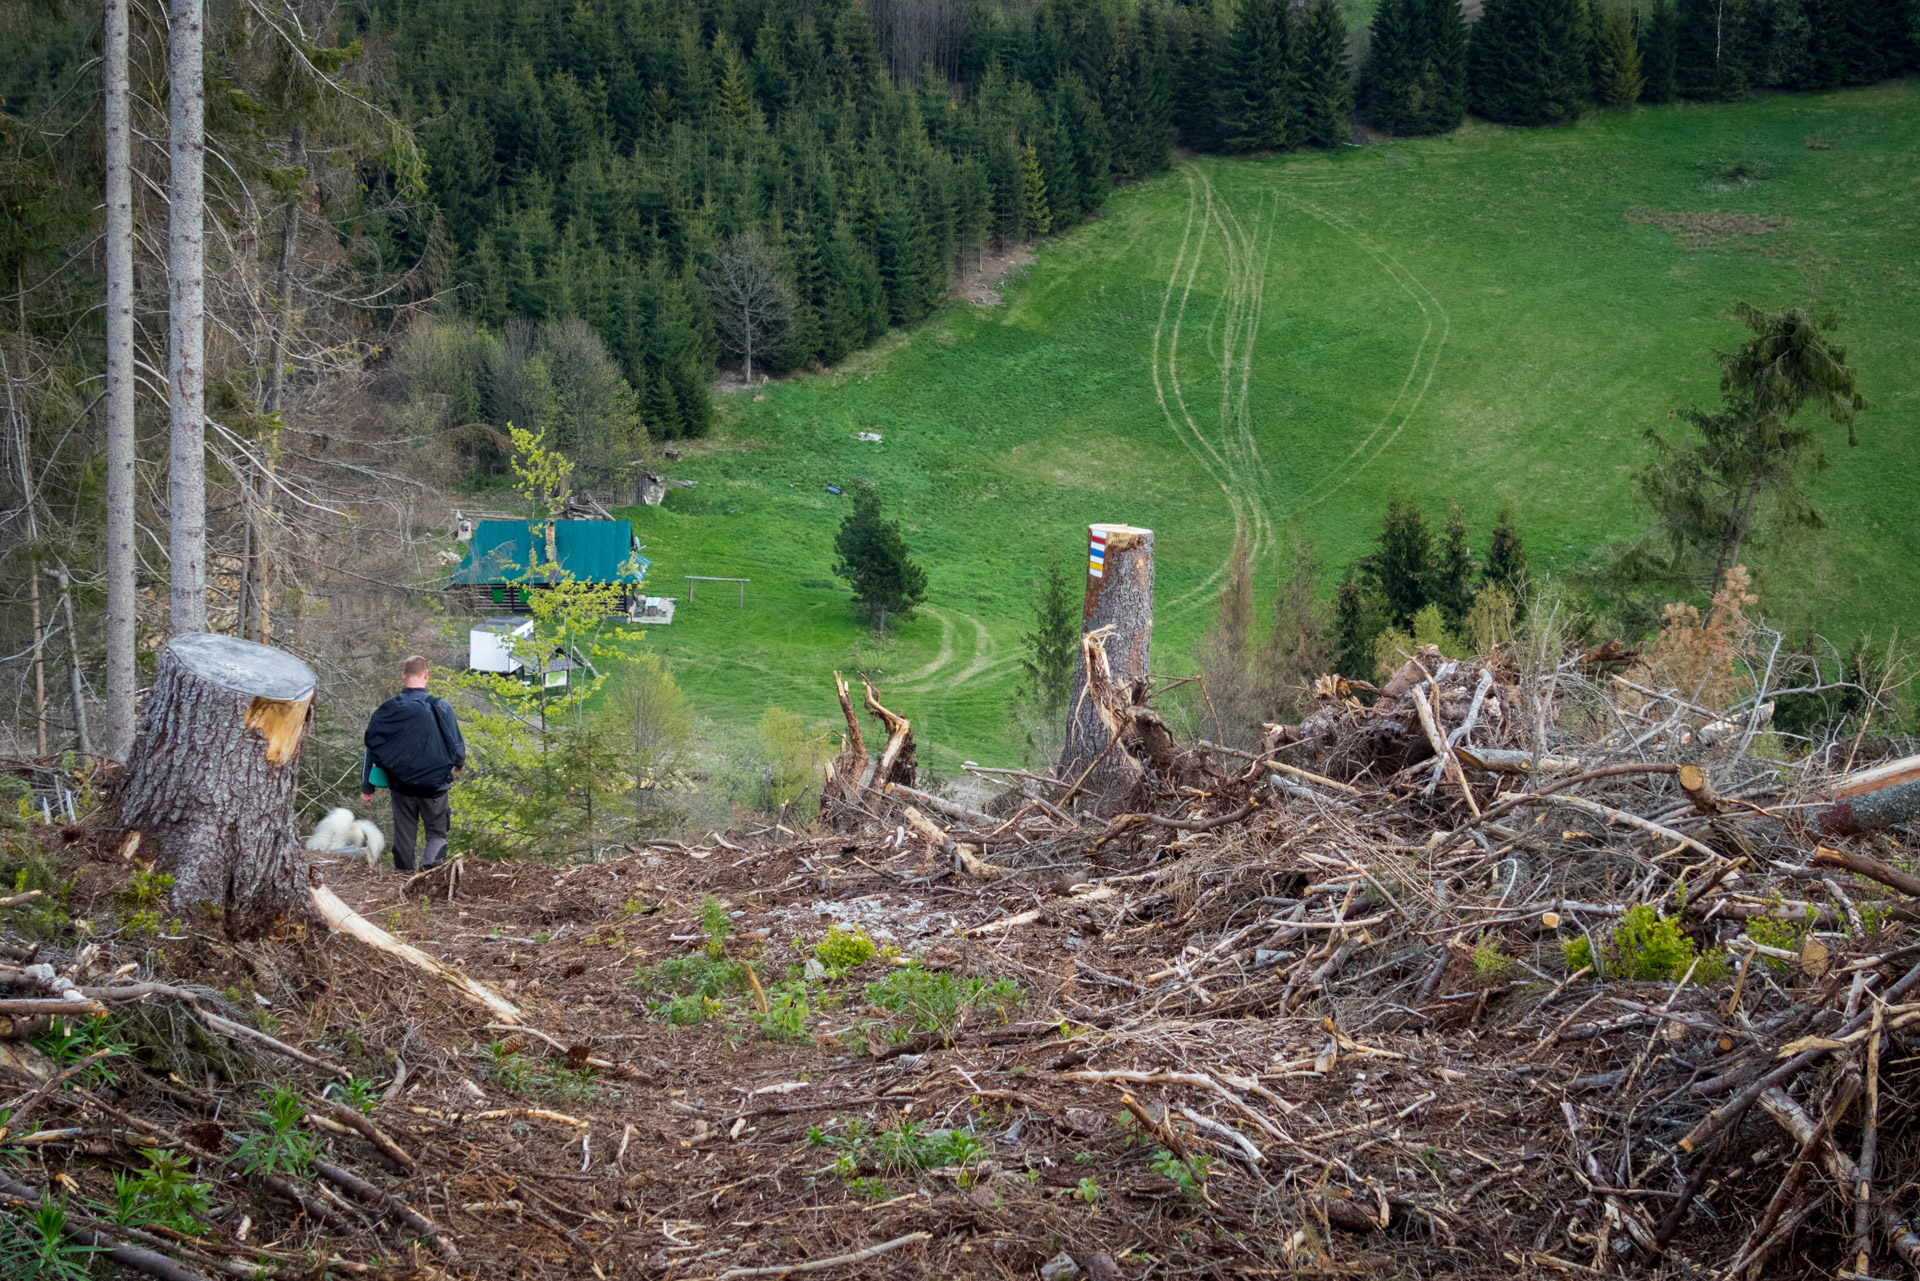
415 738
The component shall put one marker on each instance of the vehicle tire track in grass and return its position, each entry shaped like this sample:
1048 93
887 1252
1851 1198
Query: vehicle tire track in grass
941 658
1184 428
1241 310
1347 468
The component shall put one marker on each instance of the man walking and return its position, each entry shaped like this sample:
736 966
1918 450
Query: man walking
414 739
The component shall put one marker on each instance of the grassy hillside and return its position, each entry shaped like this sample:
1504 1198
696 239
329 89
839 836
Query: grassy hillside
1495 314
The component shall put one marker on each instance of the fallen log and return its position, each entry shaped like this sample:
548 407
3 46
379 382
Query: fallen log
1871 811
347 921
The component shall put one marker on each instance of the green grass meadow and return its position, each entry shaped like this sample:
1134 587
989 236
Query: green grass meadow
1492 315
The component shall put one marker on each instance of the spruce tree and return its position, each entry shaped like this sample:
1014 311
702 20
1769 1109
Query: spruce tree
1707 48
1453 573
1356 622
872 557
1529 61
1506 566
1620 79
1053 646
1398 571
1658 49
1036 217
1396 57
1443 89
1196 72
1325 83
1261 102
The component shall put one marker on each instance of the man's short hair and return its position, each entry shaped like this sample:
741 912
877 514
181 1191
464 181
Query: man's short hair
415 666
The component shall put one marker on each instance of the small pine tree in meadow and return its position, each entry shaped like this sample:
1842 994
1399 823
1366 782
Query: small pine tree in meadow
1326 83
1053 646
1033 193
872 557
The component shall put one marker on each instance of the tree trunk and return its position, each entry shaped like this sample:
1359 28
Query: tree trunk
260 527
187 340
212 777
122 601
1119 596
75 679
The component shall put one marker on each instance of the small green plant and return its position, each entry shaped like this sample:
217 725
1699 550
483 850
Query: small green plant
1579 953
357 1094
843 950
509 1071
149 888
787 1011
900 1148
934 1001
715 924
164 1193
580 1086
279 1146
870 1188
35 1247
68 1041
1189 1173
1089 1190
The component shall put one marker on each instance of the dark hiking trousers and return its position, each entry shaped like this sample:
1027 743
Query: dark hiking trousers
408 813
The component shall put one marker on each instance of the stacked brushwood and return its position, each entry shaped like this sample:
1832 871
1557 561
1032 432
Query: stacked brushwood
1684 972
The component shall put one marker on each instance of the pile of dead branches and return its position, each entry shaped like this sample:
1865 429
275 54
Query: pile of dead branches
1684 956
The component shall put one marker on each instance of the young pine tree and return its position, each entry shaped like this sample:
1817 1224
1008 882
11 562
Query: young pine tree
1398 571
1262 101
1452 585
1053 646
1506 566
872 557
1297 650
1356 621
1325 83
1619 81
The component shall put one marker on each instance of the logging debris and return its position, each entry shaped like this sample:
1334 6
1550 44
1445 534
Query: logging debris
1482 971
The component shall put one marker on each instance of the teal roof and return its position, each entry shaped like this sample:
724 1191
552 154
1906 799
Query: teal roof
592 551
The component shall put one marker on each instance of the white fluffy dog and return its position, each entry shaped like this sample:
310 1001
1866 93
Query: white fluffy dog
340 830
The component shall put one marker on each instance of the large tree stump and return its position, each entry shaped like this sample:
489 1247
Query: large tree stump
1120 598
211 778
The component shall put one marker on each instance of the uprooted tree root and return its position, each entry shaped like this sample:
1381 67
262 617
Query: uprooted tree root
1431 985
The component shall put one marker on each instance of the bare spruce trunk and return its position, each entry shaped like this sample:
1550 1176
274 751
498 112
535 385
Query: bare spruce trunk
1120 596
260 528
76 680
187 340
211 778
122 601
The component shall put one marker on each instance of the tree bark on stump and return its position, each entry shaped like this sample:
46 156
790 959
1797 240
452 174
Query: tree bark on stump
211 778
1119 597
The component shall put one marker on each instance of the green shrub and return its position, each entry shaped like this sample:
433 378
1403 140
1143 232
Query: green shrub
35 1246
1189 1173
1649 948
843 950
787 1011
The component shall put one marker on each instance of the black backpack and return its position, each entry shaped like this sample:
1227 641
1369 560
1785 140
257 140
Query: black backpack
407 741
